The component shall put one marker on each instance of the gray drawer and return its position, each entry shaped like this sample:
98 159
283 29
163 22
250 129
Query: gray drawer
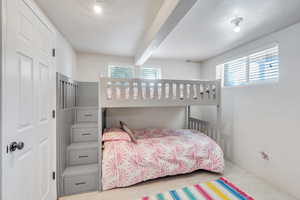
87 115
84 134
80 183
83 153
83 156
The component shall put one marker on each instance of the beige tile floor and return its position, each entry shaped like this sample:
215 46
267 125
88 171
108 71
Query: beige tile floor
252 185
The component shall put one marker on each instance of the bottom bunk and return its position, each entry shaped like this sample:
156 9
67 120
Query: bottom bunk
156 153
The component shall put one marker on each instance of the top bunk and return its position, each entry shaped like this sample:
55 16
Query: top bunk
118 93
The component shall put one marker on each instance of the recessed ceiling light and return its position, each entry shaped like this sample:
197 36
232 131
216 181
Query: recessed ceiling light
237 29
236 23
97 7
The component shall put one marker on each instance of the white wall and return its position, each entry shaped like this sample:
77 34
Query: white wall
65 57
171 117
266 117
91 66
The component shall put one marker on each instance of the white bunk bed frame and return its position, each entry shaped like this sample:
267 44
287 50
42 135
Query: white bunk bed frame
120 93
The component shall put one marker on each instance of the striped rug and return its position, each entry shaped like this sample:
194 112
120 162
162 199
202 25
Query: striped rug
220 189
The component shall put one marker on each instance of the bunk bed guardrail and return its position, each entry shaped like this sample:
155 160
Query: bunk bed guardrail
162 92
208 128
199 125
67 96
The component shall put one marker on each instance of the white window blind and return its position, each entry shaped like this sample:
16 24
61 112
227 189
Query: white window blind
235 72
120 72
150 73
264 65
257 67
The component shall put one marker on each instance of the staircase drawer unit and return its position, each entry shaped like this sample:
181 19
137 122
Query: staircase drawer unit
80 179
83 153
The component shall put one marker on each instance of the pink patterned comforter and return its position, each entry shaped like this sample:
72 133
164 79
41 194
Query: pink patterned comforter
158 153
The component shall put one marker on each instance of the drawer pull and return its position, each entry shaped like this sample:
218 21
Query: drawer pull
85 134
80 183
88 115
83 156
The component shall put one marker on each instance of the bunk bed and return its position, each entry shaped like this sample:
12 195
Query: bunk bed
158 152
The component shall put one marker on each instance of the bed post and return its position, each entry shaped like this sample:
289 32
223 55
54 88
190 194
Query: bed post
219 113
187 116
100 127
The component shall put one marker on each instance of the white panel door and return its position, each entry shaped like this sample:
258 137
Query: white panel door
28 97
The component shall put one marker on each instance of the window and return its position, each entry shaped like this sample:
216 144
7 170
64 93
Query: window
150 73
120 72
264 65
131 72
257 67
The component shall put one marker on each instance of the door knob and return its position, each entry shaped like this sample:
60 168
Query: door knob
15 145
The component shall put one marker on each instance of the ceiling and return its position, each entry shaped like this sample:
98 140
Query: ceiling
206 30
116 31
203 33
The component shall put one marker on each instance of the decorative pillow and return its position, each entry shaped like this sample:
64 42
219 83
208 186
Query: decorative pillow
115 134
125 128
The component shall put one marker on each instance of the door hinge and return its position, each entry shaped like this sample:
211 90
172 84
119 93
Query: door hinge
53 52
53 175
53 114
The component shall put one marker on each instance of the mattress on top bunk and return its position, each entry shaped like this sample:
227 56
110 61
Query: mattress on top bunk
158 153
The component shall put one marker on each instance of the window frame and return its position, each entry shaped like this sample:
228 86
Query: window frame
220 72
